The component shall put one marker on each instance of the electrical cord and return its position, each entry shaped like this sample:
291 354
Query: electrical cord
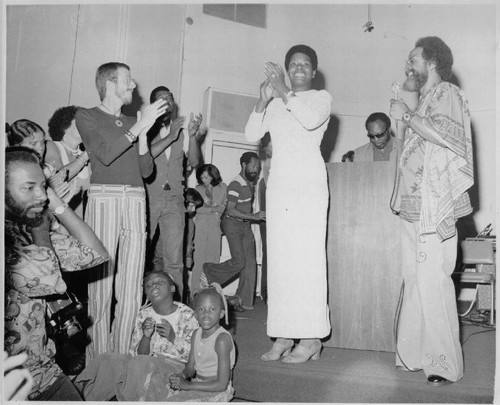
477 319
396 324
481 323
397 176
471 304
492 329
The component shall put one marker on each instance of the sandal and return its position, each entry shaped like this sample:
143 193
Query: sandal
302 353
282 347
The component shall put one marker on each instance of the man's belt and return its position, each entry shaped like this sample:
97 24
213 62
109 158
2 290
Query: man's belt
237 219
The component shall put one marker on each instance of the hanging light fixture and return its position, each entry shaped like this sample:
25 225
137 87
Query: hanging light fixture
368 26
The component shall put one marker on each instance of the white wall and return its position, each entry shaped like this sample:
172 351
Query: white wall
356 67
52 60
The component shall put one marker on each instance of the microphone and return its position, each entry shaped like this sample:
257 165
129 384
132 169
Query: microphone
395 90
348 157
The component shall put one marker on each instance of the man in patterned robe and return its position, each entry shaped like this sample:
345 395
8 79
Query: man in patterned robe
436 170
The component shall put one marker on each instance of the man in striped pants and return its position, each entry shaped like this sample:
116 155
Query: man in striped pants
116 209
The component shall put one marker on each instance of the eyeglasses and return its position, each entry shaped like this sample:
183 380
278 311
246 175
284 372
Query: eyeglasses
378 136
129 81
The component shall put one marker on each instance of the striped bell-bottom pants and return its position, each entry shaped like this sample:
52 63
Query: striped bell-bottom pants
117 214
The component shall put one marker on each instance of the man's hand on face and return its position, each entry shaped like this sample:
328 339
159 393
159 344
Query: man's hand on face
151 112
40 230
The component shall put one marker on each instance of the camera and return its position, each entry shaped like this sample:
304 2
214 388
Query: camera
62 312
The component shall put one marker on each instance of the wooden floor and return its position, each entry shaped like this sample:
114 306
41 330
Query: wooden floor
353 376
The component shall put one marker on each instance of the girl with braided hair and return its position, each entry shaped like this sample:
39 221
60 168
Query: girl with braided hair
207 374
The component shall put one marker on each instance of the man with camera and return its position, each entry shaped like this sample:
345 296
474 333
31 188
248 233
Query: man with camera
35 254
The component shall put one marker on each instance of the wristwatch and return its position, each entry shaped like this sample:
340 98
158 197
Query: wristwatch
407 116
60 209
133 137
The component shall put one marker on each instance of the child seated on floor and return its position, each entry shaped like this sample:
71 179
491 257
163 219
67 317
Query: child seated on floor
161 344
207 374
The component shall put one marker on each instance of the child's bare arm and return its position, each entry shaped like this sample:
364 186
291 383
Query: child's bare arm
189 370
148 328
175 380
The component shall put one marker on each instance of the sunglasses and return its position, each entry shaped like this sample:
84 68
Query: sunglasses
377 136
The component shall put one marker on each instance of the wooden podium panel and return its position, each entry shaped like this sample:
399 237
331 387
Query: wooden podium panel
364 259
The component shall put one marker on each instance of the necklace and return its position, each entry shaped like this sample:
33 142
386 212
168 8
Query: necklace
118 122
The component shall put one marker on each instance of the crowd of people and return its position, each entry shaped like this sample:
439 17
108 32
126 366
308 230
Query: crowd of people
106 194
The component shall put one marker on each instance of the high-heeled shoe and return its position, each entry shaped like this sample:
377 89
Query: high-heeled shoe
282 347
302 353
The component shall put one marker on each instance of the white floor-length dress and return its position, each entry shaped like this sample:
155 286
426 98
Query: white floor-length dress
296 210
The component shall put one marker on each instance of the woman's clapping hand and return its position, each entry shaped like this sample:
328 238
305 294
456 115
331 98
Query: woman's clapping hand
276 76
266 91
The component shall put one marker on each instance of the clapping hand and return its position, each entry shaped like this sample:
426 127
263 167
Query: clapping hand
266 91
175 127
84 156
165 330
148 327
194 124
276 76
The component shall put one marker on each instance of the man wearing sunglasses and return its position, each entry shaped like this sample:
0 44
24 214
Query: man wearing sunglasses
382 146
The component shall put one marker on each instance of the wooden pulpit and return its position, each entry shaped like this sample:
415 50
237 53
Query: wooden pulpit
364 256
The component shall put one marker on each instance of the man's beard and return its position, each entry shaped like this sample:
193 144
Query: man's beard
416 82
125 97
19 213
251 176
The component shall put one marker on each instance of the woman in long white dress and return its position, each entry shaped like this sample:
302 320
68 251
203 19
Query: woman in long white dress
297 203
